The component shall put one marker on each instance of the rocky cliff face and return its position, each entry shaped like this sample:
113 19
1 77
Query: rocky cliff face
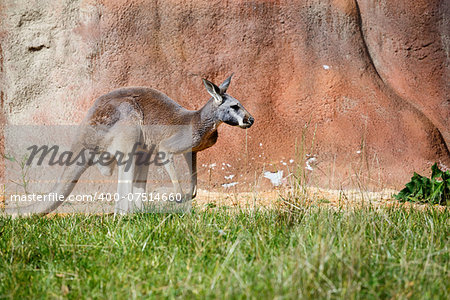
360 86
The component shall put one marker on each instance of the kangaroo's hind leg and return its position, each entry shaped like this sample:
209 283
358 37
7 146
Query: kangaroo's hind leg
124 189
132 180
140 181
127 143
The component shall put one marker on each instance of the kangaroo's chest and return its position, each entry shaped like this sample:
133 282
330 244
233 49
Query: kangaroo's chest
206 141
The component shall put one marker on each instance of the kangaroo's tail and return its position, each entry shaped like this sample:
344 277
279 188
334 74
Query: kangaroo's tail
64 186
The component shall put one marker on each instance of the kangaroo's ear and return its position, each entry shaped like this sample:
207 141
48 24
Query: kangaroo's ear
213 90
224 86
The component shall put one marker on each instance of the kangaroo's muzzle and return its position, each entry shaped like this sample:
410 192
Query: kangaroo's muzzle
248 122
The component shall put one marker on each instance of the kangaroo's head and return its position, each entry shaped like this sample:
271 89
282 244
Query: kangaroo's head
228 109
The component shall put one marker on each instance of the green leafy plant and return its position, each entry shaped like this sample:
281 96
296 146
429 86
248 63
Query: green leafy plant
435 190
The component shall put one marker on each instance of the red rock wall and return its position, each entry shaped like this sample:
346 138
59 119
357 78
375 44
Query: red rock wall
363 86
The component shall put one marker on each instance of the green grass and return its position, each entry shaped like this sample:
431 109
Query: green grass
318 253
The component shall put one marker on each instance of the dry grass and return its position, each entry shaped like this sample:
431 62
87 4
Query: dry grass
311 196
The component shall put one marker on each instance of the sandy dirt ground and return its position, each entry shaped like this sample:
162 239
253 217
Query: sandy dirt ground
309 197
306 198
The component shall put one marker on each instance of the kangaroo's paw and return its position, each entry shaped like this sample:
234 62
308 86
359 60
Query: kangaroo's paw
185 198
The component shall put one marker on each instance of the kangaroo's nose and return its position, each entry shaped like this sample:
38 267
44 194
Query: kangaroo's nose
248 122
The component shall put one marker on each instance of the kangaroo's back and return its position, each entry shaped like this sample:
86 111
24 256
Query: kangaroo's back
155 108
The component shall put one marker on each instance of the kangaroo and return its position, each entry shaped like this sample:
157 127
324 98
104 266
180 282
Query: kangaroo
131 116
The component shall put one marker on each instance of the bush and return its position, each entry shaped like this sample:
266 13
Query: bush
435 190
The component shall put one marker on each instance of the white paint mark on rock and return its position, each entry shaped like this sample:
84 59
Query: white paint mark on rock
310 161
228 185
275 178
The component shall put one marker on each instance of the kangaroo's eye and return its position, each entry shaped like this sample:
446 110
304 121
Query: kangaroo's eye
235 107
